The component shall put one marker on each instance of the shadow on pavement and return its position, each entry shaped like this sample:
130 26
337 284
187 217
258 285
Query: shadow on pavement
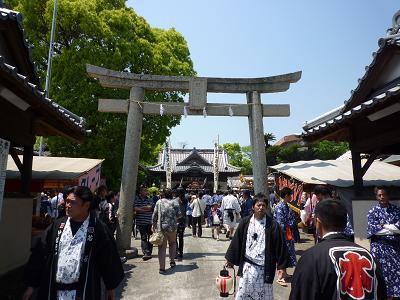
201 255
128 274
185 268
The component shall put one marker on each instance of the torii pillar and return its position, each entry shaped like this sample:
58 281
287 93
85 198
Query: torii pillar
198 87
256 129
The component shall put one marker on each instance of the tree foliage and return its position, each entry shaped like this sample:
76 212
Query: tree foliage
239 157
104 33
269 137
323 150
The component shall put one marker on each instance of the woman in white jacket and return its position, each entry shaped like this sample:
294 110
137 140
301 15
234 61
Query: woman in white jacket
198 207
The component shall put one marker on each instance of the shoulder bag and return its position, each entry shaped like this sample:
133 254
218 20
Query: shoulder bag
157 238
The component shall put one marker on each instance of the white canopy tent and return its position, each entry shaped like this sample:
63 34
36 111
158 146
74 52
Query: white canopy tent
339 173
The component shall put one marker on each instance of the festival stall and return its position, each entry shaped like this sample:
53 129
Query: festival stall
55 173
337 174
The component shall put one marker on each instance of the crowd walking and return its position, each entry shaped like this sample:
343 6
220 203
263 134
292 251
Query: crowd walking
261 240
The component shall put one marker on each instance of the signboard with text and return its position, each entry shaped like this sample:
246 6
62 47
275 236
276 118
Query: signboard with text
91 179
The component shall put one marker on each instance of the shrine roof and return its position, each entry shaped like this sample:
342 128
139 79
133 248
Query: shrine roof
14 35
377 88
20 84
39 99
336 120
183 160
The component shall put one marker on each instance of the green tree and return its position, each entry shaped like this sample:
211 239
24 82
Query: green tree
272 153
269 137
239 157
108 34
325 150
289 154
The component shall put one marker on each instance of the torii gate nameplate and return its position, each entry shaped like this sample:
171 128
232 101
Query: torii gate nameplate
197 93
197 87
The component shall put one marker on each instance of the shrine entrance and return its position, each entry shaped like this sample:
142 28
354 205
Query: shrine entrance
197 87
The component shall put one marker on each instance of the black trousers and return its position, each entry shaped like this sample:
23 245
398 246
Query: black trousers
145 233
196 222
179 240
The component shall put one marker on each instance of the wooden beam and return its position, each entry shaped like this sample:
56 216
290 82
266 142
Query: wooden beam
357 171
43 128
176 108
15 125
381 140
26 174
16 159
369 162
125 80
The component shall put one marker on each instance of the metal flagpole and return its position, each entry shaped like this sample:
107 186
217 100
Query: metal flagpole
168 164
216 163
48 74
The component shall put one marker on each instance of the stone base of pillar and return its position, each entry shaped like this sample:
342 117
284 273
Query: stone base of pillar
130 253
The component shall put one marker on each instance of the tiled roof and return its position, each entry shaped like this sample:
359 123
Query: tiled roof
179 155
73 120
288 139
353 113
7 15
32 83
350 109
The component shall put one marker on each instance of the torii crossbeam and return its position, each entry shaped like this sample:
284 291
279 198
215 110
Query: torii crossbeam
198 87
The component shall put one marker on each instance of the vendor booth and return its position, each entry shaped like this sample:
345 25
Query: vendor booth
338 175
55 173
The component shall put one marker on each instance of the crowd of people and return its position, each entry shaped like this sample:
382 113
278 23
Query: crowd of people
336 267
177 210
262 230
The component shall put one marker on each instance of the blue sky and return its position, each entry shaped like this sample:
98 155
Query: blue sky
330 41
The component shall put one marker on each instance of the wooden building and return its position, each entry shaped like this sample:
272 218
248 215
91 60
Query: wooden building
368 120
194 168
25 112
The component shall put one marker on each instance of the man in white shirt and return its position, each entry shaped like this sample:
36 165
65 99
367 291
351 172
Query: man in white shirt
230 209
55 201
198 207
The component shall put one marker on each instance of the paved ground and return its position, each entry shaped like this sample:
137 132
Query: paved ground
193 278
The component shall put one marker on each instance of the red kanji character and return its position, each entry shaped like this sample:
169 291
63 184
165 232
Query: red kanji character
355 278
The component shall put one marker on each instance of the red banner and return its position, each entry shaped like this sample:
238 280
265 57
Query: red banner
295 185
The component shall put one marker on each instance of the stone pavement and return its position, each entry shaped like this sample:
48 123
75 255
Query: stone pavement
193 278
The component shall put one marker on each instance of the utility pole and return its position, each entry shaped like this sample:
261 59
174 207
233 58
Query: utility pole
48 74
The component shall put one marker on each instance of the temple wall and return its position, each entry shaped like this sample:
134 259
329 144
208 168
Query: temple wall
15 233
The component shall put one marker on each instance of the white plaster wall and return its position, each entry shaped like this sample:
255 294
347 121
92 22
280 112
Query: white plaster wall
15 233
360 213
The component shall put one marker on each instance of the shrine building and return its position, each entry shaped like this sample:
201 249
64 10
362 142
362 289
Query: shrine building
194 168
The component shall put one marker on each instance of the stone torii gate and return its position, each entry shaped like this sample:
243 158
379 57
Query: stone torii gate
197 87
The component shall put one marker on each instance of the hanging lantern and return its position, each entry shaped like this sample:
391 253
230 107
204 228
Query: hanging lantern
161 109
185 113
225 283
204 112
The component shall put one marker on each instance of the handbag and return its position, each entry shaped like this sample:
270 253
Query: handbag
288 233
157 238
